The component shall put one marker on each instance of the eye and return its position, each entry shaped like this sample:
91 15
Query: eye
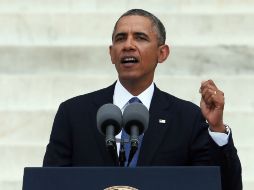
141 38
119 38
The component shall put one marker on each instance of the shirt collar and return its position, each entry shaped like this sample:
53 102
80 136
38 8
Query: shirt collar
122 96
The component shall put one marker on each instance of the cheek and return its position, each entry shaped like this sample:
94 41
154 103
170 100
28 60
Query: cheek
149 51
150 57
113 57
114 54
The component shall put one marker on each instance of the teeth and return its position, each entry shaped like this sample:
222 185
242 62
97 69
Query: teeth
129 60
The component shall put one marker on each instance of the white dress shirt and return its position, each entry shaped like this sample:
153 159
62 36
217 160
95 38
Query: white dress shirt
122 96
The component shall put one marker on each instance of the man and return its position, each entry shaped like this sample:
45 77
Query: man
183 138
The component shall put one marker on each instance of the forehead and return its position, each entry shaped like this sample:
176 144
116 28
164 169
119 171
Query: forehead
134 23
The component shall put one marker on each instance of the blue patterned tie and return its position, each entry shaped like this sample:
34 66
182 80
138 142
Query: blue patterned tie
127 146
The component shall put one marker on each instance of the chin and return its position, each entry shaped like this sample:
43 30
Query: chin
128 77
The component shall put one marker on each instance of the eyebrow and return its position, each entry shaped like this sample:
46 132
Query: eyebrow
135 34
120 34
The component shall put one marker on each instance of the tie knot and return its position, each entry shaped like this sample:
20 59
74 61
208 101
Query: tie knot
134 100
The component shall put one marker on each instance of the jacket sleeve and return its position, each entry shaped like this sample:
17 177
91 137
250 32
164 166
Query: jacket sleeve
226 157
59 149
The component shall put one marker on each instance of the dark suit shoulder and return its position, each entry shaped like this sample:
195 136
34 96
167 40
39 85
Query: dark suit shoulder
178 103
96 97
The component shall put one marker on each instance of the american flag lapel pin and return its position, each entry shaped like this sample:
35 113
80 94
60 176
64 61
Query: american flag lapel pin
162 121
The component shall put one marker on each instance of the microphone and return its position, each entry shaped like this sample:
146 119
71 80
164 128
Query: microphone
135 122
109 123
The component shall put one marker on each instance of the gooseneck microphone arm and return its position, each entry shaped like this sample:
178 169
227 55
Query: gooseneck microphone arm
134 136
110 138
134 142
135 122
113 152
111 142
122 157
109 123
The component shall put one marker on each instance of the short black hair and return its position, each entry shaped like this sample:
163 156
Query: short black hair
159 27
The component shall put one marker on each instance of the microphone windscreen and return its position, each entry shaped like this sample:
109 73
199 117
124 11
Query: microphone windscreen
136 114
109 114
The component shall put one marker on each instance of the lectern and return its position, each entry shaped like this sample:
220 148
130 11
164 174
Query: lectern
142 178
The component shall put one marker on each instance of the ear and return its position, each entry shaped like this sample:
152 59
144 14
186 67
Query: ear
110 53
164 52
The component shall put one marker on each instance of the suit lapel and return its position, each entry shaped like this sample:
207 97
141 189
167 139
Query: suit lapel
159 121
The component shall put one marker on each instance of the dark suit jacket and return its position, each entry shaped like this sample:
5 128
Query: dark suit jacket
182 140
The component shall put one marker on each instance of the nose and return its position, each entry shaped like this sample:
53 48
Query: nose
129 44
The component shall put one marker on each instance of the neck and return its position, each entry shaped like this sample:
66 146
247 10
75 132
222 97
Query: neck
134 87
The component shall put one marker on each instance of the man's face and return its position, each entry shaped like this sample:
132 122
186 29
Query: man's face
135 51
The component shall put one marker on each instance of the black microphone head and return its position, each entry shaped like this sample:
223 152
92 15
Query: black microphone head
136 114
109 114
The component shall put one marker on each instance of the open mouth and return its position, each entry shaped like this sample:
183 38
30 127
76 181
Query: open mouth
128 60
